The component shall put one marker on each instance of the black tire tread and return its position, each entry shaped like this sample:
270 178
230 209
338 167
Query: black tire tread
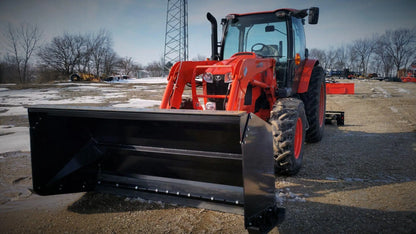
283 119
311 100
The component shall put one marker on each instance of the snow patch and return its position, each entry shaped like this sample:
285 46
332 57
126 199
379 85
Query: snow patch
401 90
394 109
13 111
331 178
384 179
79 88
81 84
138 103
285 195
149 80
14 139
14 103
378 91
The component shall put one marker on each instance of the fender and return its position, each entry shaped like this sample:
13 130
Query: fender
306 75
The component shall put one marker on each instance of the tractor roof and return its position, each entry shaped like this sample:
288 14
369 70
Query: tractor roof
297 13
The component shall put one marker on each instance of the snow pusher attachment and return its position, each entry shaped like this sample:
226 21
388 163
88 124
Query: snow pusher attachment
189 157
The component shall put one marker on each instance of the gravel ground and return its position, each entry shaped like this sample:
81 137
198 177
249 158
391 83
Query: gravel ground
360 178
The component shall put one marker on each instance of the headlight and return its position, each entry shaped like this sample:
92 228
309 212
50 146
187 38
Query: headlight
198 78
210 106
208 77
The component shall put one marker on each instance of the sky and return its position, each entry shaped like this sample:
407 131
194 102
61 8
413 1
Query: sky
137 27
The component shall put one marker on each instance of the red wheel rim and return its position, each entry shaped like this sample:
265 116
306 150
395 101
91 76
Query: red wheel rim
321 106
298 137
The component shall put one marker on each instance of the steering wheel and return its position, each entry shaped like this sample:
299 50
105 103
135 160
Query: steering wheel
265 50
263 46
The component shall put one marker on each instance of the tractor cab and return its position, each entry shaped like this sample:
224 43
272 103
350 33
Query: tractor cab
275 34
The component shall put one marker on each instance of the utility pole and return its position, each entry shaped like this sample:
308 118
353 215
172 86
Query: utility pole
176 34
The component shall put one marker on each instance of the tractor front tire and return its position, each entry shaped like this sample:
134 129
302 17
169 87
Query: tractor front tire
315 105
288 122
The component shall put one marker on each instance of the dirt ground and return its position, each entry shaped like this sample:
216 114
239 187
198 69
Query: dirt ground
360 178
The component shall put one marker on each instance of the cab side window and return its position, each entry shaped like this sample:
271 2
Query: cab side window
299 37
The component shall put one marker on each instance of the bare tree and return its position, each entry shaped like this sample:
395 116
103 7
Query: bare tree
352 61
91 53
340 58
393 49
155 68
126 65
382 55
199 58
21 42
110 62
99 45
64 54
401 46
362 49
330 58
319 55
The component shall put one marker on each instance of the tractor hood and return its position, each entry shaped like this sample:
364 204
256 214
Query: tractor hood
227 66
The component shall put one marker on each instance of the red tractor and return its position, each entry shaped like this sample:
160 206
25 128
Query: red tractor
259 96
262 68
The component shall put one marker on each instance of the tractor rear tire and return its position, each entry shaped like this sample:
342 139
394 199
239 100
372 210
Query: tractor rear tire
288 122
315 105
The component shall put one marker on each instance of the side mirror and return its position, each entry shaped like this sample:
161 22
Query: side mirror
313 15
223 21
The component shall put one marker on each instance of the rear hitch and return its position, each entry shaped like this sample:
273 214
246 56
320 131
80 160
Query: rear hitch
337 116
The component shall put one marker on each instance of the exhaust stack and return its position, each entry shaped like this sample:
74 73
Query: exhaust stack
214 36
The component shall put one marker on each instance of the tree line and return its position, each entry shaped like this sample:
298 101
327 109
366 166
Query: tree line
385 54
64 55
93 53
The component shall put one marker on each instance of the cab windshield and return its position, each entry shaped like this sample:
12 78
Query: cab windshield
264 34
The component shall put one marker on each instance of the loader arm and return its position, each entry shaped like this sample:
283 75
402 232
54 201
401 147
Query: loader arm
239 83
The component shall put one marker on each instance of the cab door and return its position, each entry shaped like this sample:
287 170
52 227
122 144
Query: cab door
298 50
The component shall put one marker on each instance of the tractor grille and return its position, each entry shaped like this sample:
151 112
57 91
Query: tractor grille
218 87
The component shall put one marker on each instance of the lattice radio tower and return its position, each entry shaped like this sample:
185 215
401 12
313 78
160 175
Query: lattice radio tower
176 35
